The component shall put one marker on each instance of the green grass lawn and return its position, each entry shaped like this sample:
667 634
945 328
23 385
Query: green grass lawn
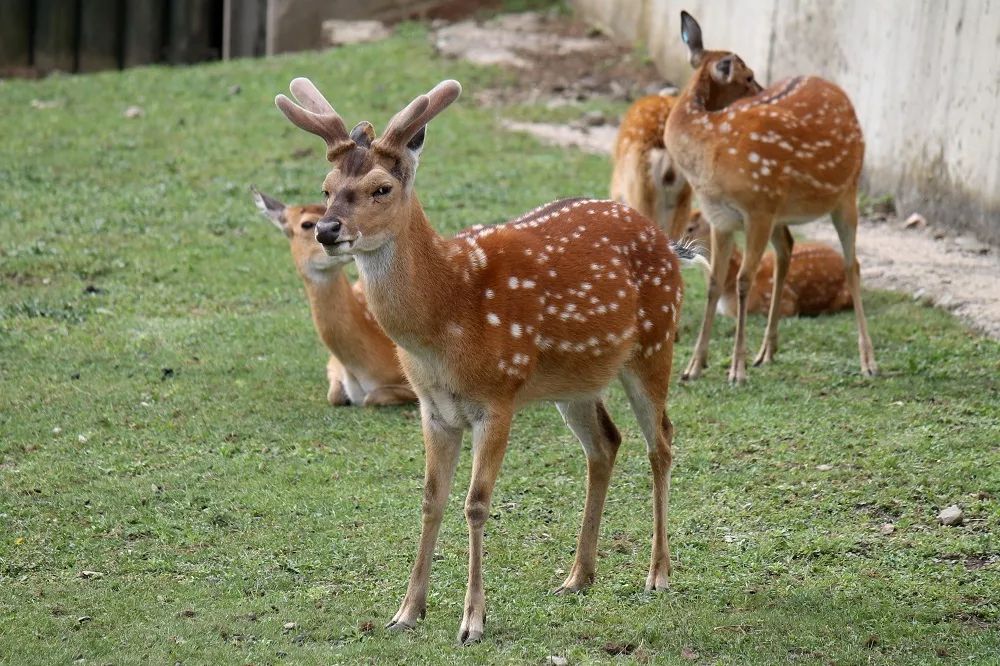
163 422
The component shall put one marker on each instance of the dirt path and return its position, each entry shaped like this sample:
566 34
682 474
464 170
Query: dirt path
557 61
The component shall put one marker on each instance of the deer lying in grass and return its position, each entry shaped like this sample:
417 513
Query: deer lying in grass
363 369
643 176
787 155
551 306
816 282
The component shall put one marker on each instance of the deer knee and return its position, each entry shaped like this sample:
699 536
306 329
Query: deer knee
476 512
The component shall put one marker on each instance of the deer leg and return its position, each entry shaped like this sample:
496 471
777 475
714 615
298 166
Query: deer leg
646 388
781 239
441 448
722 247
758 230
845 221
592 425
489 443
336 395
392 394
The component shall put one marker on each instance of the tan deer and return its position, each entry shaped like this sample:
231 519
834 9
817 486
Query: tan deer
551 306
643 175
362 369
816 283
788 155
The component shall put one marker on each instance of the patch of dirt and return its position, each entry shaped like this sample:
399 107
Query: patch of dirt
556 61
552 58
954 272
597 140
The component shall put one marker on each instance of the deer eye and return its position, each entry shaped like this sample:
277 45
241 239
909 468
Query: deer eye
326 194
382 191
308 225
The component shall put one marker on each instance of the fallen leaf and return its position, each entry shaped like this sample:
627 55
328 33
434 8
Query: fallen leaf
134 112
887 529
91 575
689 654
824 467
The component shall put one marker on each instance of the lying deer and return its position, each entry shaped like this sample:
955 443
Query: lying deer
362 369
787 155
643 176
816 282
551 306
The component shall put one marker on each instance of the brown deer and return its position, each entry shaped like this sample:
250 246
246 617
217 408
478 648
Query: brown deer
550 306
787 155
816 283
363 369
643 176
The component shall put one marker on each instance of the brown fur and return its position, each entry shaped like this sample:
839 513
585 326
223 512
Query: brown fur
816 283
551 306
787 155
363 368
643 176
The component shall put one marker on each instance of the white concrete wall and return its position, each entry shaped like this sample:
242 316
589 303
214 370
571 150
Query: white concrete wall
923 74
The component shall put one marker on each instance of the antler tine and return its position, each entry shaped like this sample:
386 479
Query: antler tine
309 96
420 111
315 115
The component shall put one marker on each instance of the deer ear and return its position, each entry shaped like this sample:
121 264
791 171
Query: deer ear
691 35
270 208
722 70
416 144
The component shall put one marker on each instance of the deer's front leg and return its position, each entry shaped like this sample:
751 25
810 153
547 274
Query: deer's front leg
722 247
489 443
441 448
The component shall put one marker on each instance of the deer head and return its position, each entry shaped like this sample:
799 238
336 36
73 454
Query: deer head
723 75
369 191
298 224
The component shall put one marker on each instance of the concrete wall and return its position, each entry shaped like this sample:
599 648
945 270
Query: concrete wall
923 74
295 25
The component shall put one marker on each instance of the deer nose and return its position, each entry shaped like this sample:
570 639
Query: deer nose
327 231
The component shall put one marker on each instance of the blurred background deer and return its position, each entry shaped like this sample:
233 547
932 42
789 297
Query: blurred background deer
643 176
816 283
363 368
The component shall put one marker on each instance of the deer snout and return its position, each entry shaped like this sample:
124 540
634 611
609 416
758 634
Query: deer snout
328 231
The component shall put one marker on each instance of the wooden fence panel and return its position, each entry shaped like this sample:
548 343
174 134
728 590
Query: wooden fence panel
100 35
55 35
144 30
15 34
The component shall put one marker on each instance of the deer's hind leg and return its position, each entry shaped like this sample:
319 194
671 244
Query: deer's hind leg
646 383
845 221
592 425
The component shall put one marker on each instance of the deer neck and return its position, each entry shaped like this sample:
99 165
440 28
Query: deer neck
338 315
409 283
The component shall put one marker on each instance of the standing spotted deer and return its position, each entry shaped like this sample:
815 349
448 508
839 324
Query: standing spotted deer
787 155
551 306
816 282
643 176
362 369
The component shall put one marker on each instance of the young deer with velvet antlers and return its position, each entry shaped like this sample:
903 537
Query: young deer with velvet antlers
551 306
363 369
787 155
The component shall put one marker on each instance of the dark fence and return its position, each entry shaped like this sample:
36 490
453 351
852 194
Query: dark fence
42 36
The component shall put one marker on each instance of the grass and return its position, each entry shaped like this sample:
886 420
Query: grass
163 422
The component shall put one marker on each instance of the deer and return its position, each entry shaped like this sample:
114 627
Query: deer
362 368
787 155
550 306
644 176
816 283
